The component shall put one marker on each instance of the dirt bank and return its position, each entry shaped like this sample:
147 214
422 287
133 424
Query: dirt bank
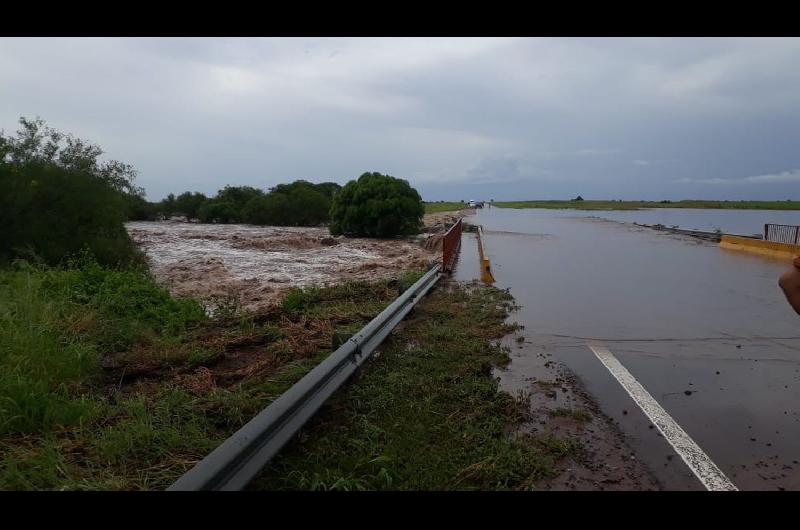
253 266
440 221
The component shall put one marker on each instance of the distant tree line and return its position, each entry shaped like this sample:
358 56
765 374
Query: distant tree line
300 203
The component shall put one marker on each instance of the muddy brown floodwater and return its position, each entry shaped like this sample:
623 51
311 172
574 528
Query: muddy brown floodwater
253 266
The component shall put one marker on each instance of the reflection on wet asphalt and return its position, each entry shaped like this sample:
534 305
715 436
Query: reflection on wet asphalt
705 330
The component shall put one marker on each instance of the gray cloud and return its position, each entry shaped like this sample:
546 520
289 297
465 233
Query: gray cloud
784 176
514 118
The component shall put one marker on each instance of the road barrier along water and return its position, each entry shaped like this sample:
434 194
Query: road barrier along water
451 243
486 267
232 465
766 248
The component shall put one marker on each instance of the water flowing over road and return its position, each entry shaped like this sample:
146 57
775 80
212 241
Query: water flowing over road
706 331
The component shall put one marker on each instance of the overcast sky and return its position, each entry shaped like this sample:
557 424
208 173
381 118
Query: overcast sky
508 118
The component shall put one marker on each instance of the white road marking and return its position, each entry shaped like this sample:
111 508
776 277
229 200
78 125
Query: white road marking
701 465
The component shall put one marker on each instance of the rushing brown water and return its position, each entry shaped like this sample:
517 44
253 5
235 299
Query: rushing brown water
255 265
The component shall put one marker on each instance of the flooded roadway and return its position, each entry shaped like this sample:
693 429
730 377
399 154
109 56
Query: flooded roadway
706 331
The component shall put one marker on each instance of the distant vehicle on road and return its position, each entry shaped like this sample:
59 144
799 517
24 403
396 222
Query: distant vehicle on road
475 204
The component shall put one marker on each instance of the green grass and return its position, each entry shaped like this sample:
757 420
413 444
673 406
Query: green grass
575 414
426 413
435 207
636 205
107 382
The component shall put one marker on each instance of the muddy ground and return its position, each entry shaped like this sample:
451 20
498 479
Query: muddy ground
251 267
559 405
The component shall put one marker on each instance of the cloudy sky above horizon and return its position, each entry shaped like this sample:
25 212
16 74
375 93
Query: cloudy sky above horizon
460 118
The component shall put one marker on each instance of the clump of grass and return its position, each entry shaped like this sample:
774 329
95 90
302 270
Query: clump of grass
430 419
576 414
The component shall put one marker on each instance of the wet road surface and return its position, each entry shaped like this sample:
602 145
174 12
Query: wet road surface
706 331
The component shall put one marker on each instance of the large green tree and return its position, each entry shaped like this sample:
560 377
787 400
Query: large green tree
49 212
37 143
57 198
377 205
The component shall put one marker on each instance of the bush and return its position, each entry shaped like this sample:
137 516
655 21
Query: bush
139 209
49 212
273 209
377 205
300 203
57 198
218 211
189 204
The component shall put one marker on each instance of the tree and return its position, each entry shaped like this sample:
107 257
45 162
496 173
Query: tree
139 209
377 205
50 212
188 203
329 189
35 142
271 209
299 203
218 211
167 206
57 199
578 198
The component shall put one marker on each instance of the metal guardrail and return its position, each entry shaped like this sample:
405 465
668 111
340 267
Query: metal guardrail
782 233
451 242
233 464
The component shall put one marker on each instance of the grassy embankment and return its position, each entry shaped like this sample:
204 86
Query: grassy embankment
426 414
636 205
107 382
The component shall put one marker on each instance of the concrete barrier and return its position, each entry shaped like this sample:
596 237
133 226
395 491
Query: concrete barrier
759 246
486 267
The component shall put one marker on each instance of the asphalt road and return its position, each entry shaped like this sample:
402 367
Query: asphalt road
706 331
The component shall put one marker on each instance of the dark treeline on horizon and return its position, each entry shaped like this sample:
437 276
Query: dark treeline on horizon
300 203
